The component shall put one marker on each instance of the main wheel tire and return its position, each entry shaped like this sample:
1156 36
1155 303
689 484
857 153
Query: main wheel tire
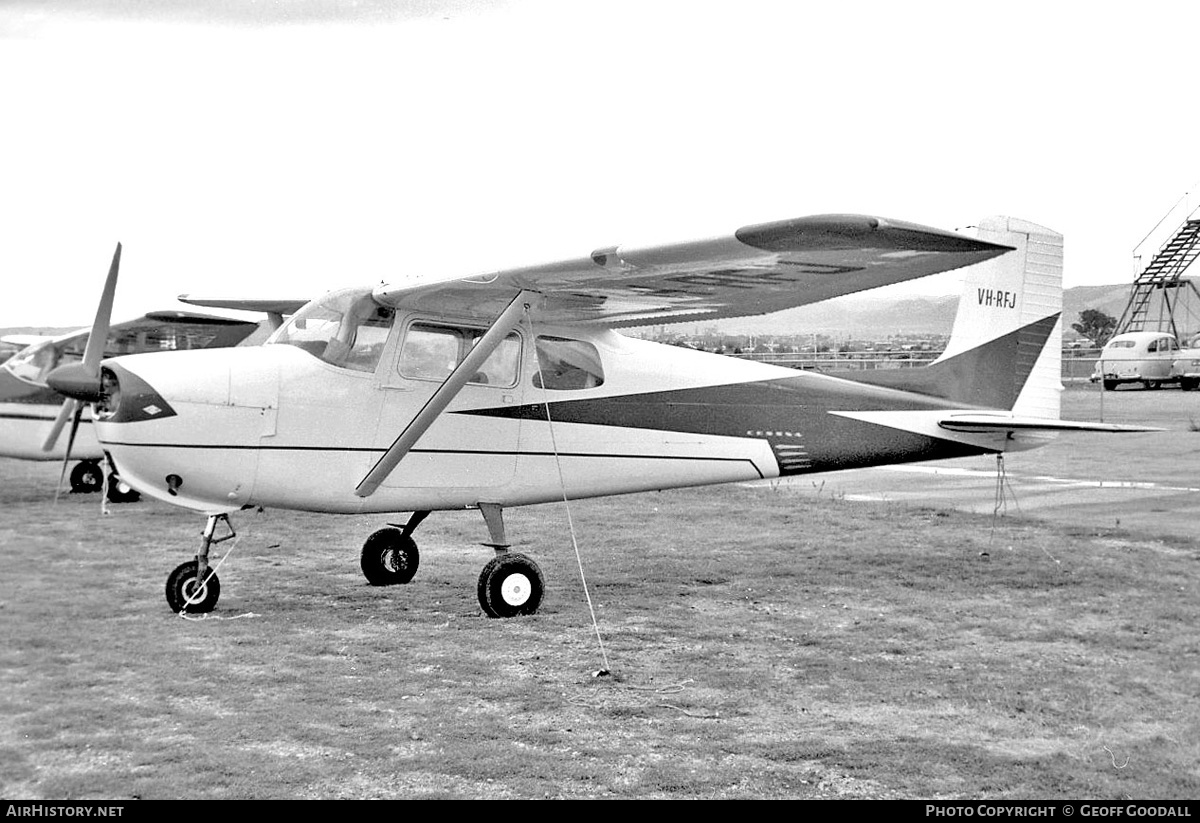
182 587
1110 385
1189 383
121 492
389 557
87 477
510 585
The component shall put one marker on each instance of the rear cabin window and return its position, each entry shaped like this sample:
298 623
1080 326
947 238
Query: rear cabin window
567 364
431 352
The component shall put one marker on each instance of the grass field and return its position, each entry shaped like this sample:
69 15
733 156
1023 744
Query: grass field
759 645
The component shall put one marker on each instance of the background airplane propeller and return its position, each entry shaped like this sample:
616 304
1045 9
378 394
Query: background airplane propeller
80 382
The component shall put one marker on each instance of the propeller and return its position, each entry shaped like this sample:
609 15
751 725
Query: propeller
80 382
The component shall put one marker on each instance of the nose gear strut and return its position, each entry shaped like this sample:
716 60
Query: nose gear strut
193 587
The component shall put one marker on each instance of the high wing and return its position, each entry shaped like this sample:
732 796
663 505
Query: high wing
266 305
754 270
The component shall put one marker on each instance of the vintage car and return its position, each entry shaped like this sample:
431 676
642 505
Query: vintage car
1186 367
1145 357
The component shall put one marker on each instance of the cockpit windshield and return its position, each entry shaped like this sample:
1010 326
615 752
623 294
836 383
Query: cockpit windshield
33 363
345 328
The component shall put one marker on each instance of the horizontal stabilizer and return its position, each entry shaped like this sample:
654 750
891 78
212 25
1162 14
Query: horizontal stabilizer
980 423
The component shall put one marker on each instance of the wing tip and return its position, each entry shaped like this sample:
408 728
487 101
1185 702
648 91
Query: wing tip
835 231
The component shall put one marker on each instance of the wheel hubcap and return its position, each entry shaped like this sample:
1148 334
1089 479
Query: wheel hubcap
516 589
193 593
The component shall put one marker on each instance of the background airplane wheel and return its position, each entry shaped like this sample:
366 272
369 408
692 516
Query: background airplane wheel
510 585
389 557
87 477
181 586
121 492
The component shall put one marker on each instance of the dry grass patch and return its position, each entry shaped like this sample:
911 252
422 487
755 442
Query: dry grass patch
761 645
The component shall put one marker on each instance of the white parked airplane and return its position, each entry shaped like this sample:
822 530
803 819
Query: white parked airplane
512 388
28 406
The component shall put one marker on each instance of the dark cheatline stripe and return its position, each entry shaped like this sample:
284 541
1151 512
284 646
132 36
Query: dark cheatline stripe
988 376
788 404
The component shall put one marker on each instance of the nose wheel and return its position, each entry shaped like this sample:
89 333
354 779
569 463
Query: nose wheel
121 492
87 477
188 592
193 587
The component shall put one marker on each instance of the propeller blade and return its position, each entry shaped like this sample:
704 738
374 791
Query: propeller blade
81 380
70 443
64 414
94 353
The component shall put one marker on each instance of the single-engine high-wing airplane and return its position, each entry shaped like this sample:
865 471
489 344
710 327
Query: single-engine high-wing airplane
511 388
29 429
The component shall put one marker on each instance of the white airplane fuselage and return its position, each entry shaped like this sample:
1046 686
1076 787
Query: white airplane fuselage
276 426
27 413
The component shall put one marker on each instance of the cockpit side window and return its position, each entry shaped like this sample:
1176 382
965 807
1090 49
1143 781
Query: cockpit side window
347 329
567 364
431 352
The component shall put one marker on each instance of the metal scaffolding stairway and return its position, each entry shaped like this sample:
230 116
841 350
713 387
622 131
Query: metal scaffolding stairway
1162 298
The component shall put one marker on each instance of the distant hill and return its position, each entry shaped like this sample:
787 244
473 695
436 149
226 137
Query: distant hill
47 331
1108 299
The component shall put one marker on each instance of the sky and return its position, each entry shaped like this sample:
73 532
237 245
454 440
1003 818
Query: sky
282 149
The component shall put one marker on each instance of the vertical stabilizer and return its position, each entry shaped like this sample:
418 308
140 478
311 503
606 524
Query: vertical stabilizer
1019 293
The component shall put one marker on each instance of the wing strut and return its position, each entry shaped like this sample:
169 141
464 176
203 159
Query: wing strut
437 403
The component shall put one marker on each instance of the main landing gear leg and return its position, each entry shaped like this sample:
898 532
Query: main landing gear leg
192 587
390 556
510 584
